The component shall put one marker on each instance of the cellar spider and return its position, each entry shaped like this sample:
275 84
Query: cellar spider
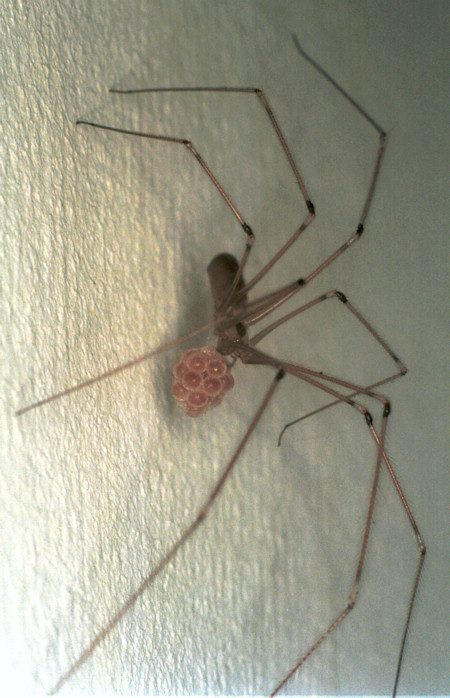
203 375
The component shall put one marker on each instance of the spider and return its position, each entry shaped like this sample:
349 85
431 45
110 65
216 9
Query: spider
203 375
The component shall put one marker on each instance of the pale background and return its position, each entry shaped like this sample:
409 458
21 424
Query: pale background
105 241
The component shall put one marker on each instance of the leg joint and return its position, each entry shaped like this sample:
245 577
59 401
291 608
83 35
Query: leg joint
368 418
310 207
249 232
341 296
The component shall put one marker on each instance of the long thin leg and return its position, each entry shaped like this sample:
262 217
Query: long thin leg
301 184
335 84
244 90
316 379
115 370
311 211
366 388
191 148
422 551
348 306
260 307
401 368
379 438
202 514
280 295
351 603
382 139
254 312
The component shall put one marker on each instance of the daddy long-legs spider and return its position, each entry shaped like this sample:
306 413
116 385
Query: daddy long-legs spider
235 314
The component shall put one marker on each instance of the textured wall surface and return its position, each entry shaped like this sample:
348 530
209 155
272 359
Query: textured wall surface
105 239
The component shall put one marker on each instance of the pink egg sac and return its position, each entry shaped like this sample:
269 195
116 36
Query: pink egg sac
200 380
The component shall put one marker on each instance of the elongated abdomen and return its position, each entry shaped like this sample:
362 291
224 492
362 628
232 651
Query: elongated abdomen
222 271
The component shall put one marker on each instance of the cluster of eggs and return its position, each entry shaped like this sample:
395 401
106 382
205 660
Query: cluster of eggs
200 380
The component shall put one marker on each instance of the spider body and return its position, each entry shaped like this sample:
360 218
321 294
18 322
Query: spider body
222 272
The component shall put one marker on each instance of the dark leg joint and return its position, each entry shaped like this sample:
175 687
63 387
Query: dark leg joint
360 229
368 418
301 282
281 374
310 207
387 409
341 297
249 232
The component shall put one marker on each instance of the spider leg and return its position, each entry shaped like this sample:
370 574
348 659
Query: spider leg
370 387
191 149
231 296
382 139
422 551
276 127
115 370
367 117
321 380
185 536
401 368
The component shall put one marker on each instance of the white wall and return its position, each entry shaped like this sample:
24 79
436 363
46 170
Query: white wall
105 243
